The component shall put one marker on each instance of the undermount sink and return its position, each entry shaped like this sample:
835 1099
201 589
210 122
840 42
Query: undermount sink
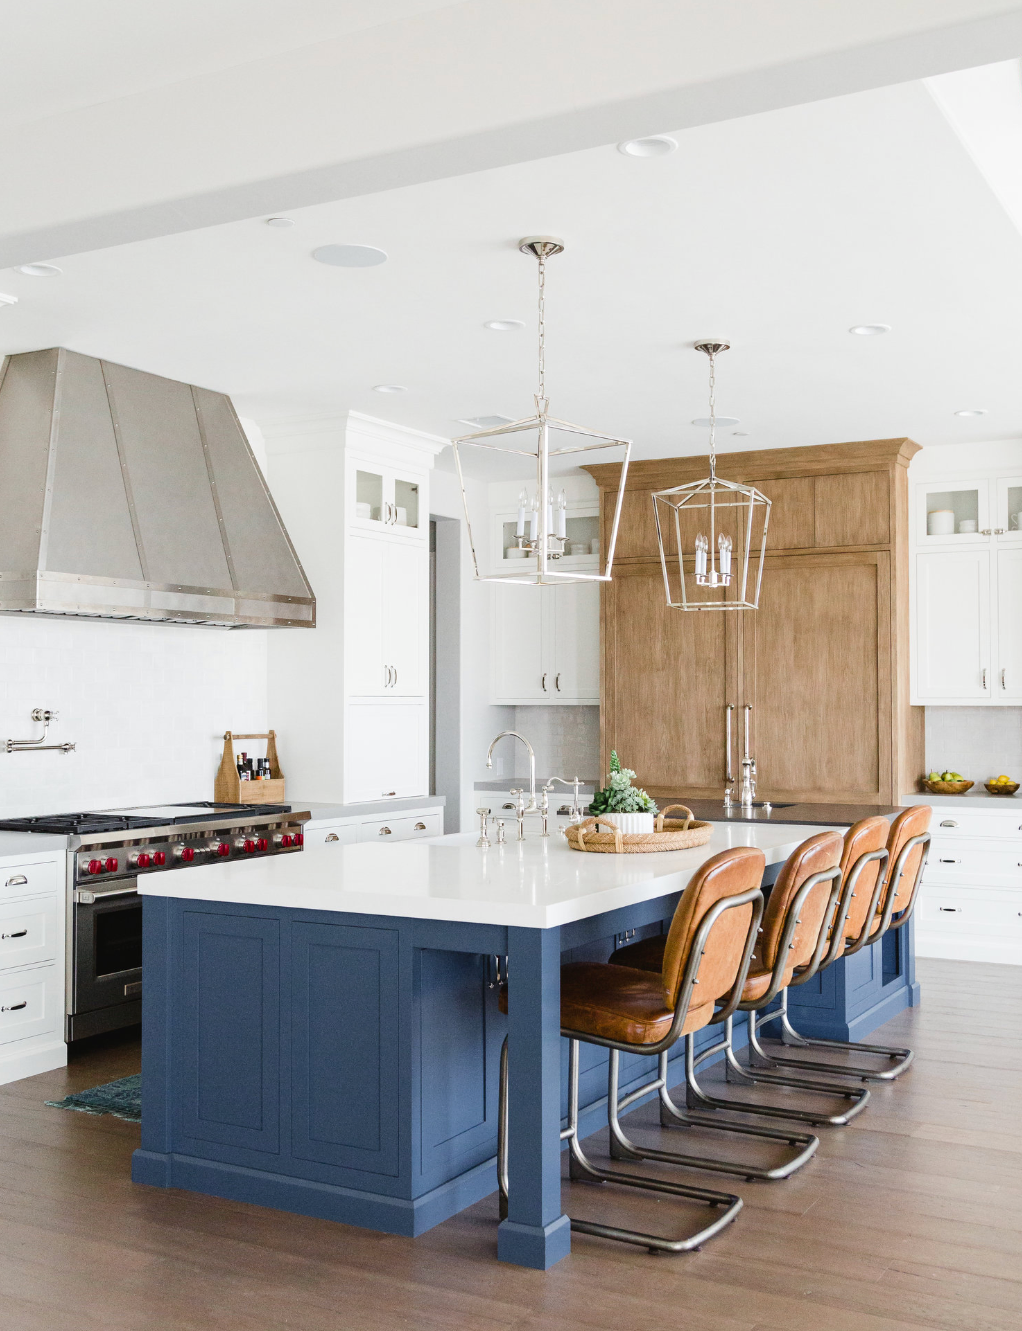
765 804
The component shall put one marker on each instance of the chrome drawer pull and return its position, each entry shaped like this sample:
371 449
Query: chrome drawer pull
950 822
19 880
419 827
20 934
332 836
386 793
950 910
943 861
385 831
15 1007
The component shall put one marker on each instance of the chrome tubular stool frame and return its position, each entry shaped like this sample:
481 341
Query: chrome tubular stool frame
697 1098
580 1167
791 1037
671 1116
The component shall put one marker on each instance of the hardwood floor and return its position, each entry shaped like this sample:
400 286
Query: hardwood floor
910 1218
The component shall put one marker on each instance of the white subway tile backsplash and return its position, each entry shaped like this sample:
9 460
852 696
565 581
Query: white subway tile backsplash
566 741
979 742
147 706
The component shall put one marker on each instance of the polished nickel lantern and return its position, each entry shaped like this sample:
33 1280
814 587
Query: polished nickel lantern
712 533
540 540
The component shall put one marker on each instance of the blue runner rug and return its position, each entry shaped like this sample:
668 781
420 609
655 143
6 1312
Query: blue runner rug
121 1098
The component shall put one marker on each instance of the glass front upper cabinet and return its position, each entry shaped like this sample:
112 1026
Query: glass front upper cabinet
1008 509
385 501
953 512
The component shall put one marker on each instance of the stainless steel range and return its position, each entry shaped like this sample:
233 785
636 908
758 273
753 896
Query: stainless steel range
107 851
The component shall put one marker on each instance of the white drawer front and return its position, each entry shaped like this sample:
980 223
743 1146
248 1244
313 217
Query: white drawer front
340 835
970 911
402 829
949 822
31 1003
995 863
30 880
28 932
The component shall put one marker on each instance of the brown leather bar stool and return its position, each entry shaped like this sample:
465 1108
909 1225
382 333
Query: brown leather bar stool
888 906
794 939
707 954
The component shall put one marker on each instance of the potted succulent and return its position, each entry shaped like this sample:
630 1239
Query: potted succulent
621 803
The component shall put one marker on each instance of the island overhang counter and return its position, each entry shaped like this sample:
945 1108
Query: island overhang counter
321 1031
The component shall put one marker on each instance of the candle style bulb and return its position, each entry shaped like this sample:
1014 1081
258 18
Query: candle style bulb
533 519
523 500
724 545
562 515
702 545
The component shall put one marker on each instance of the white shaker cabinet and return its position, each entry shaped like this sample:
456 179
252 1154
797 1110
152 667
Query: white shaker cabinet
386 618
386 750
966 592
546 644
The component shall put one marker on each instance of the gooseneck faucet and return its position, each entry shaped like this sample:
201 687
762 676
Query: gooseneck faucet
513 734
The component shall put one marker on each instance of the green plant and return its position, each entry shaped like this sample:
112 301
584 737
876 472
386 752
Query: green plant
619 795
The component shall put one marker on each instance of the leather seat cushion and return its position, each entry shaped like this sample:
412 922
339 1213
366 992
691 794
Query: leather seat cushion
618 1003
648 955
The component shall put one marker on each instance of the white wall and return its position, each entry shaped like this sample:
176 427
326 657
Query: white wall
147 706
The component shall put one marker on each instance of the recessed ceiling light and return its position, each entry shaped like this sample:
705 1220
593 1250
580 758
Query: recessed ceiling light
39 269
972 411
870 330
8 300
740 434
389 388
485 422
724 422
279 221
350 256
657 146
504 325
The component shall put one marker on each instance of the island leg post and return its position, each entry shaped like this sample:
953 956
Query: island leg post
536 1232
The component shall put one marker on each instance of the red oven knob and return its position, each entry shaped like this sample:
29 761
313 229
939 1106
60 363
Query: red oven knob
159 858
142 860
285 840
188 853
111 865
95 866
299 839
262 844
223 848
250 847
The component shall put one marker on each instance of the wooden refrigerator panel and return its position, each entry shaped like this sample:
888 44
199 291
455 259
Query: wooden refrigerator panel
817 671
667 676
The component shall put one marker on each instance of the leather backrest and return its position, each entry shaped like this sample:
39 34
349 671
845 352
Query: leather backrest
728 874
819 852
864 836
911 822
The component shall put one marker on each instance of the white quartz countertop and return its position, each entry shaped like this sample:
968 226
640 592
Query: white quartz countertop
33 846
978 800
535 884
336 813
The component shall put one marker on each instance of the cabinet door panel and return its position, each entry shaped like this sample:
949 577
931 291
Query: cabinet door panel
519 672
405 606
363 617
386 750
853 509
811 668
952 626
573 625
668 674
1007 686
791 512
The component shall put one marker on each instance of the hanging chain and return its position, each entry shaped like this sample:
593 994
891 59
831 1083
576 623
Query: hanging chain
541 395
713 416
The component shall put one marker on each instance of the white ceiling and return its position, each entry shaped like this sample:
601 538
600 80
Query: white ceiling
59 55
778 231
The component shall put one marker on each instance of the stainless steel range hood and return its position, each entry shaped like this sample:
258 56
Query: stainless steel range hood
127 496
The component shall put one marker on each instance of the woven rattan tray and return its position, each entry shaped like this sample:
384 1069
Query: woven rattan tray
670 834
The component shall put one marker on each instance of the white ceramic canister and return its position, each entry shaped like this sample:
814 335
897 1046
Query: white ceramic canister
940 522
629 823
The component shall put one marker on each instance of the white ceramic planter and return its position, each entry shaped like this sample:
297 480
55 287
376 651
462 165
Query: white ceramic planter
630 822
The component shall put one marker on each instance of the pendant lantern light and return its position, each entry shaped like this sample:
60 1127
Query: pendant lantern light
541 527
712 533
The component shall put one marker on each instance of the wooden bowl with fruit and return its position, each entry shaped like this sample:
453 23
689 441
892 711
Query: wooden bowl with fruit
947 783
1002 785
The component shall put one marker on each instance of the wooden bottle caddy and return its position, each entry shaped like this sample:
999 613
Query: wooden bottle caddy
230 789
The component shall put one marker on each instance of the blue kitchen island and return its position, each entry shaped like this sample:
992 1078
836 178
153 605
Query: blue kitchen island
321 1031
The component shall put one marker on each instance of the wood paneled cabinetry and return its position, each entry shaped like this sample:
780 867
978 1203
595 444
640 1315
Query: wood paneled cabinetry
823 662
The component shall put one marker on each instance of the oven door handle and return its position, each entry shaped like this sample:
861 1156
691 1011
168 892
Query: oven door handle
86 898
